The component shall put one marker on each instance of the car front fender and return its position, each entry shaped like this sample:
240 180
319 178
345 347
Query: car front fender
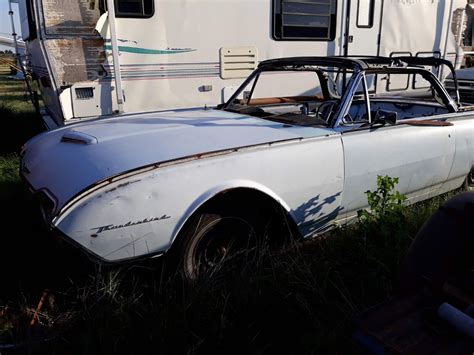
208 195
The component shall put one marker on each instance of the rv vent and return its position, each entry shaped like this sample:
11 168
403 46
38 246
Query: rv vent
84 93
238 62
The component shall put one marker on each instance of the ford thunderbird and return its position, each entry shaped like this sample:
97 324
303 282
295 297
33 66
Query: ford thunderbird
280 157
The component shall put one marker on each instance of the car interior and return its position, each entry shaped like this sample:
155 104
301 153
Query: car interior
298 110
405 109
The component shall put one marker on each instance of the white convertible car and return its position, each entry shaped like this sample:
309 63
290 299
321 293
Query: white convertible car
281 155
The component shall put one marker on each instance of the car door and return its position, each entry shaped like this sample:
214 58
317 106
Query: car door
421 156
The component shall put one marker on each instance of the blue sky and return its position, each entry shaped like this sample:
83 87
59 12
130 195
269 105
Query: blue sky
5 25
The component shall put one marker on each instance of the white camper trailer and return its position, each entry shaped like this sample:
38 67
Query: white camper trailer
173 54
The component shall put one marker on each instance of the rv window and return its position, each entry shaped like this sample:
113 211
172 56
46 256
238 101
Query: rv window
397 82
134 8
365 13
418 81
304 20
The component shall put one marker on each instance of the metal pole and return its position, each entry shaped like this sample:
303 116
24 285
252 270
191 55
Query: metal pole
448 28
346 27
115 54
345 34
17 53
448 32
33 96
342 41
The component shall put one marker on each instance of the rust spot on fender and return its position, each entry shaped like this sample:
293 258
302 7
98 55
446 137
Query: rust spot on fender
120 186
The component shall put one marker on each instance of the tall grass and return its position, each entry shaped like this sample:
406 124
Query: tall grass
18 118
302 300
17 128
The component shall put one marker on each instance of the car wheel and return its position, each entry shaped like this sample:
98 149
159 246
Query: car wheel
211 239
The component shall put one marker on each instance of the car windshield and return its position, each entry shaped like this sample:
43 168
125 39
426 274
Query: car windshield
304 96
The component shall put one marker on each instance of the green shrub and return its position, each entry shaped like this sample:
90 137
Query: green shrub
386 206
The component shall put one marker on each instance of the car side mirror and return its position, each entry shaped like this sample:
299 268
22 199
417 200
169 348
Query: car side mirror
384 117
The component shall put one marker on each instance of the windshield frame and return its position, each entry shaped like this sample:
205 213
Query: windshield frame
356 68
322 75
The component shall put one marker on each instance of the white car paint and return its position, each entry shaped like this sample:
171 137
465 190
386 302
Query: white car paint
124 187
157 137
178 190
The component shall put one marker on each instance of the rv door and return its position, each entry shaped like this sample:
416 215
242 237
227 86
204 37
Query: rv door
364 27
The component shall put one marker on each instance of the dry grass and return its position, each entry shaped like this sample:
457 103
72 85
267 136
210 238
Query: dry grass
13 93
17 115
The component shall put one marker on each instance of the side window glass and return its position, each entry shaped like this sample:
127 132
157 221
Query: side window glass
357 114
308 20
418 81
365 13
400 82
134 8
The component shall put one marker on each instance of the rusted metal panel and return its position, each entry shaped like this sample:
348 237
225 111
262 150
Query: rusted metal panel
71 16
76 59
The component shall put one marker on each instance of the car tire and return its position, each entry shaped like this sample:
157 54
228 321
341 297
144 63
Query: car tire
212 239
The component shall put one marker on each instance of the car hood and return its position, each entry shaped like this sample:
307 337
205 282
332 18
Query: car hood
70 159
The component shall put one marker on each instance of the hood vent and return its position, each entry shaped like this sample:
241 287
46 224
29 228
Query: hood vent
78 138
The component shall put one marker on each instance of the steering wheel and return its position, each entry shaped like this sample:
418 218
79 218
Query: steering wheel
325 109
